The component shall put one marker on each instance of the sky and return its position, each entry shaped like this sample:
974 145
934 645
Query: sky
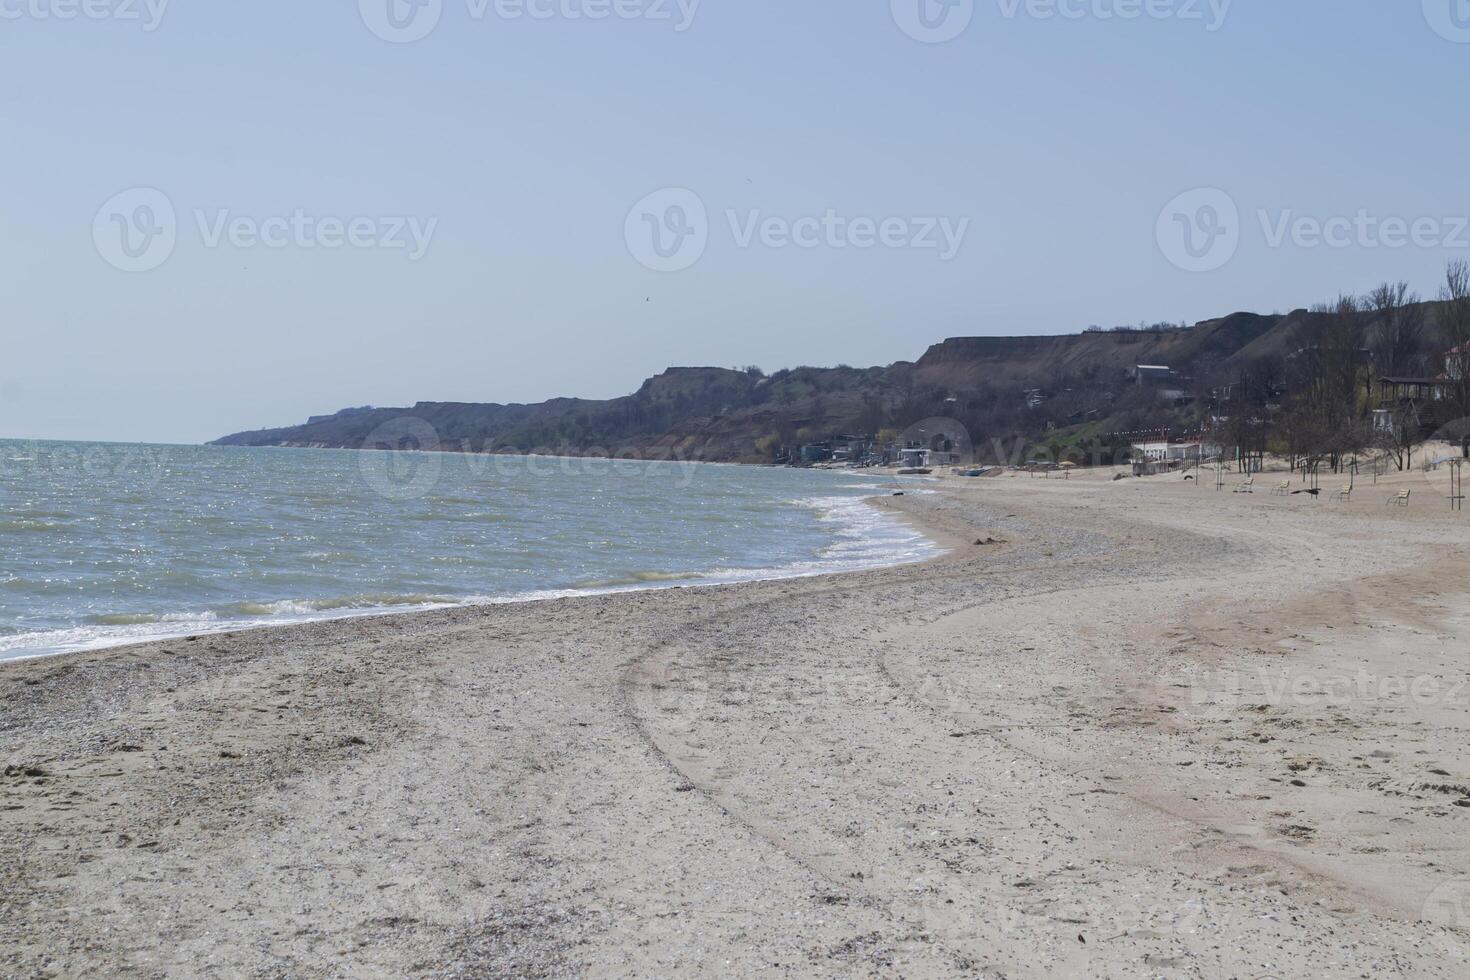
220 217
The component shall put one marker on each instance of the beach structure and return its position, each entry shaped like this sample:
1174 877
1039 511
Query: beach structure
913 457
1421 402
819 452
1164 455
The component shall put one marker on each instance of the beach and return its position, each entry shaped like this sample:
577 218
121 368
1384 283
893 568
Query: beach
1129 729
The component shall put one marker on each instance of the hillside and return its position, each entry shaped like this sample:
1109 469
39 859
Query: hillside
1002 388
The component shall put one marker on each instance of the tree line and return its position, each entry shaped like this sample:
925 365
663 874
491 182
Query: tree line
1322 404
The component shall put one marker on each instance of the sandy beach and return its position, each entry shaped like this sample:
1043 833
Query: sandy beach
1128 729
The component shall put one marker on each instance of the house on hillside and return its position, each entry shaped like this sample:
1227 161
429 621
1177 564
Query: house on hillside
1171 385
1457 363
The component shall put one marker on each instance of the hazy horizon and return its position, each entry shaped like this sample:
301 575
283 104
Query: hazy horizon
229 219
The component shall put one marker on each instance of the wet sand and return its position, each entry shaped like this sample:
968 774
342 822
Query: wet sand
1134 729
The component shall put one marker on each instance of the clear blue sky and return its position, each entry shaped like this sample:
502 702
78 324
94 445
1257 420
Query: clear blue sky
1058 139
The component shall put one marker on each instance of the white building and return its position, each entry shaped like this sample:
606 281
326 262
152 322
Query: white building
1163 451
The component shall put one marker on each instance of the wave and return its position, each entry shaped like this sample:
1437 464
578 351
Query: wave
31 526
862 537
139 619
639 578
306 607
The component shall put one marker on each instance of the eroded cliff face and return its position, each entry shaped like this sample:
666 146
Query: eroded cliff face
969 361
721 414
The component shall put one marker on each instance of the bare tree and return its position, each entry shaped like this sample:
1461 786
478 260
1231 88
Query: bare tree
1455 317
1396 337
1402 435
1327 418
1454 322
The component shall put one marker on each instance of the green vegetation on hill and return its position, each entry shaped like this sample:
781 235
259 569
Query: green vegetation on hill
1245 376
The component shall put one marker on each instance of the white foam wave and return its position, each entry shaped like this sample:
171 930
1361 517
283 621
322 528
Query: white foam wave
864 538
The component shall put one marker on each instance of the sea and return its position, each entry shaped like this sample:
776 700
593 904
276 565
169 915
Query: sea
104 544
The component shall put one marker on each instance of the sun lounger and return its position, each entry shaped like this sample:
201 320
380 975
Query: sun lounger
1400 500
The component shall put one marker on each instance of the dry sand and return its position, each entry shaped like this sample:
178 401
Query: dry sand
1147 729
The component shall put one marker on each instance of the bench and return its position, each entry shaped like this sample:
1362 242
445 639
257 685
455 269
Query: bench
1401 499
1249 486
1343 495
1282 489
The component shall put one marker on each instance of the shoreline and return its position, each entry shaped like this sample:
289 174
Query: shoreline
198 622
1035 754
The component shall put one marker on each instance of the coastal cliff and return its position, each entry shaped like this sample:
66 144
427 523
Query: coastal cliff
1001 388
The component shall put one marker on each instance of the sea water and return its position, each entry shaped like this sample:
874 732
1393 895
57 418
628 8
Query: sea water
105 544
